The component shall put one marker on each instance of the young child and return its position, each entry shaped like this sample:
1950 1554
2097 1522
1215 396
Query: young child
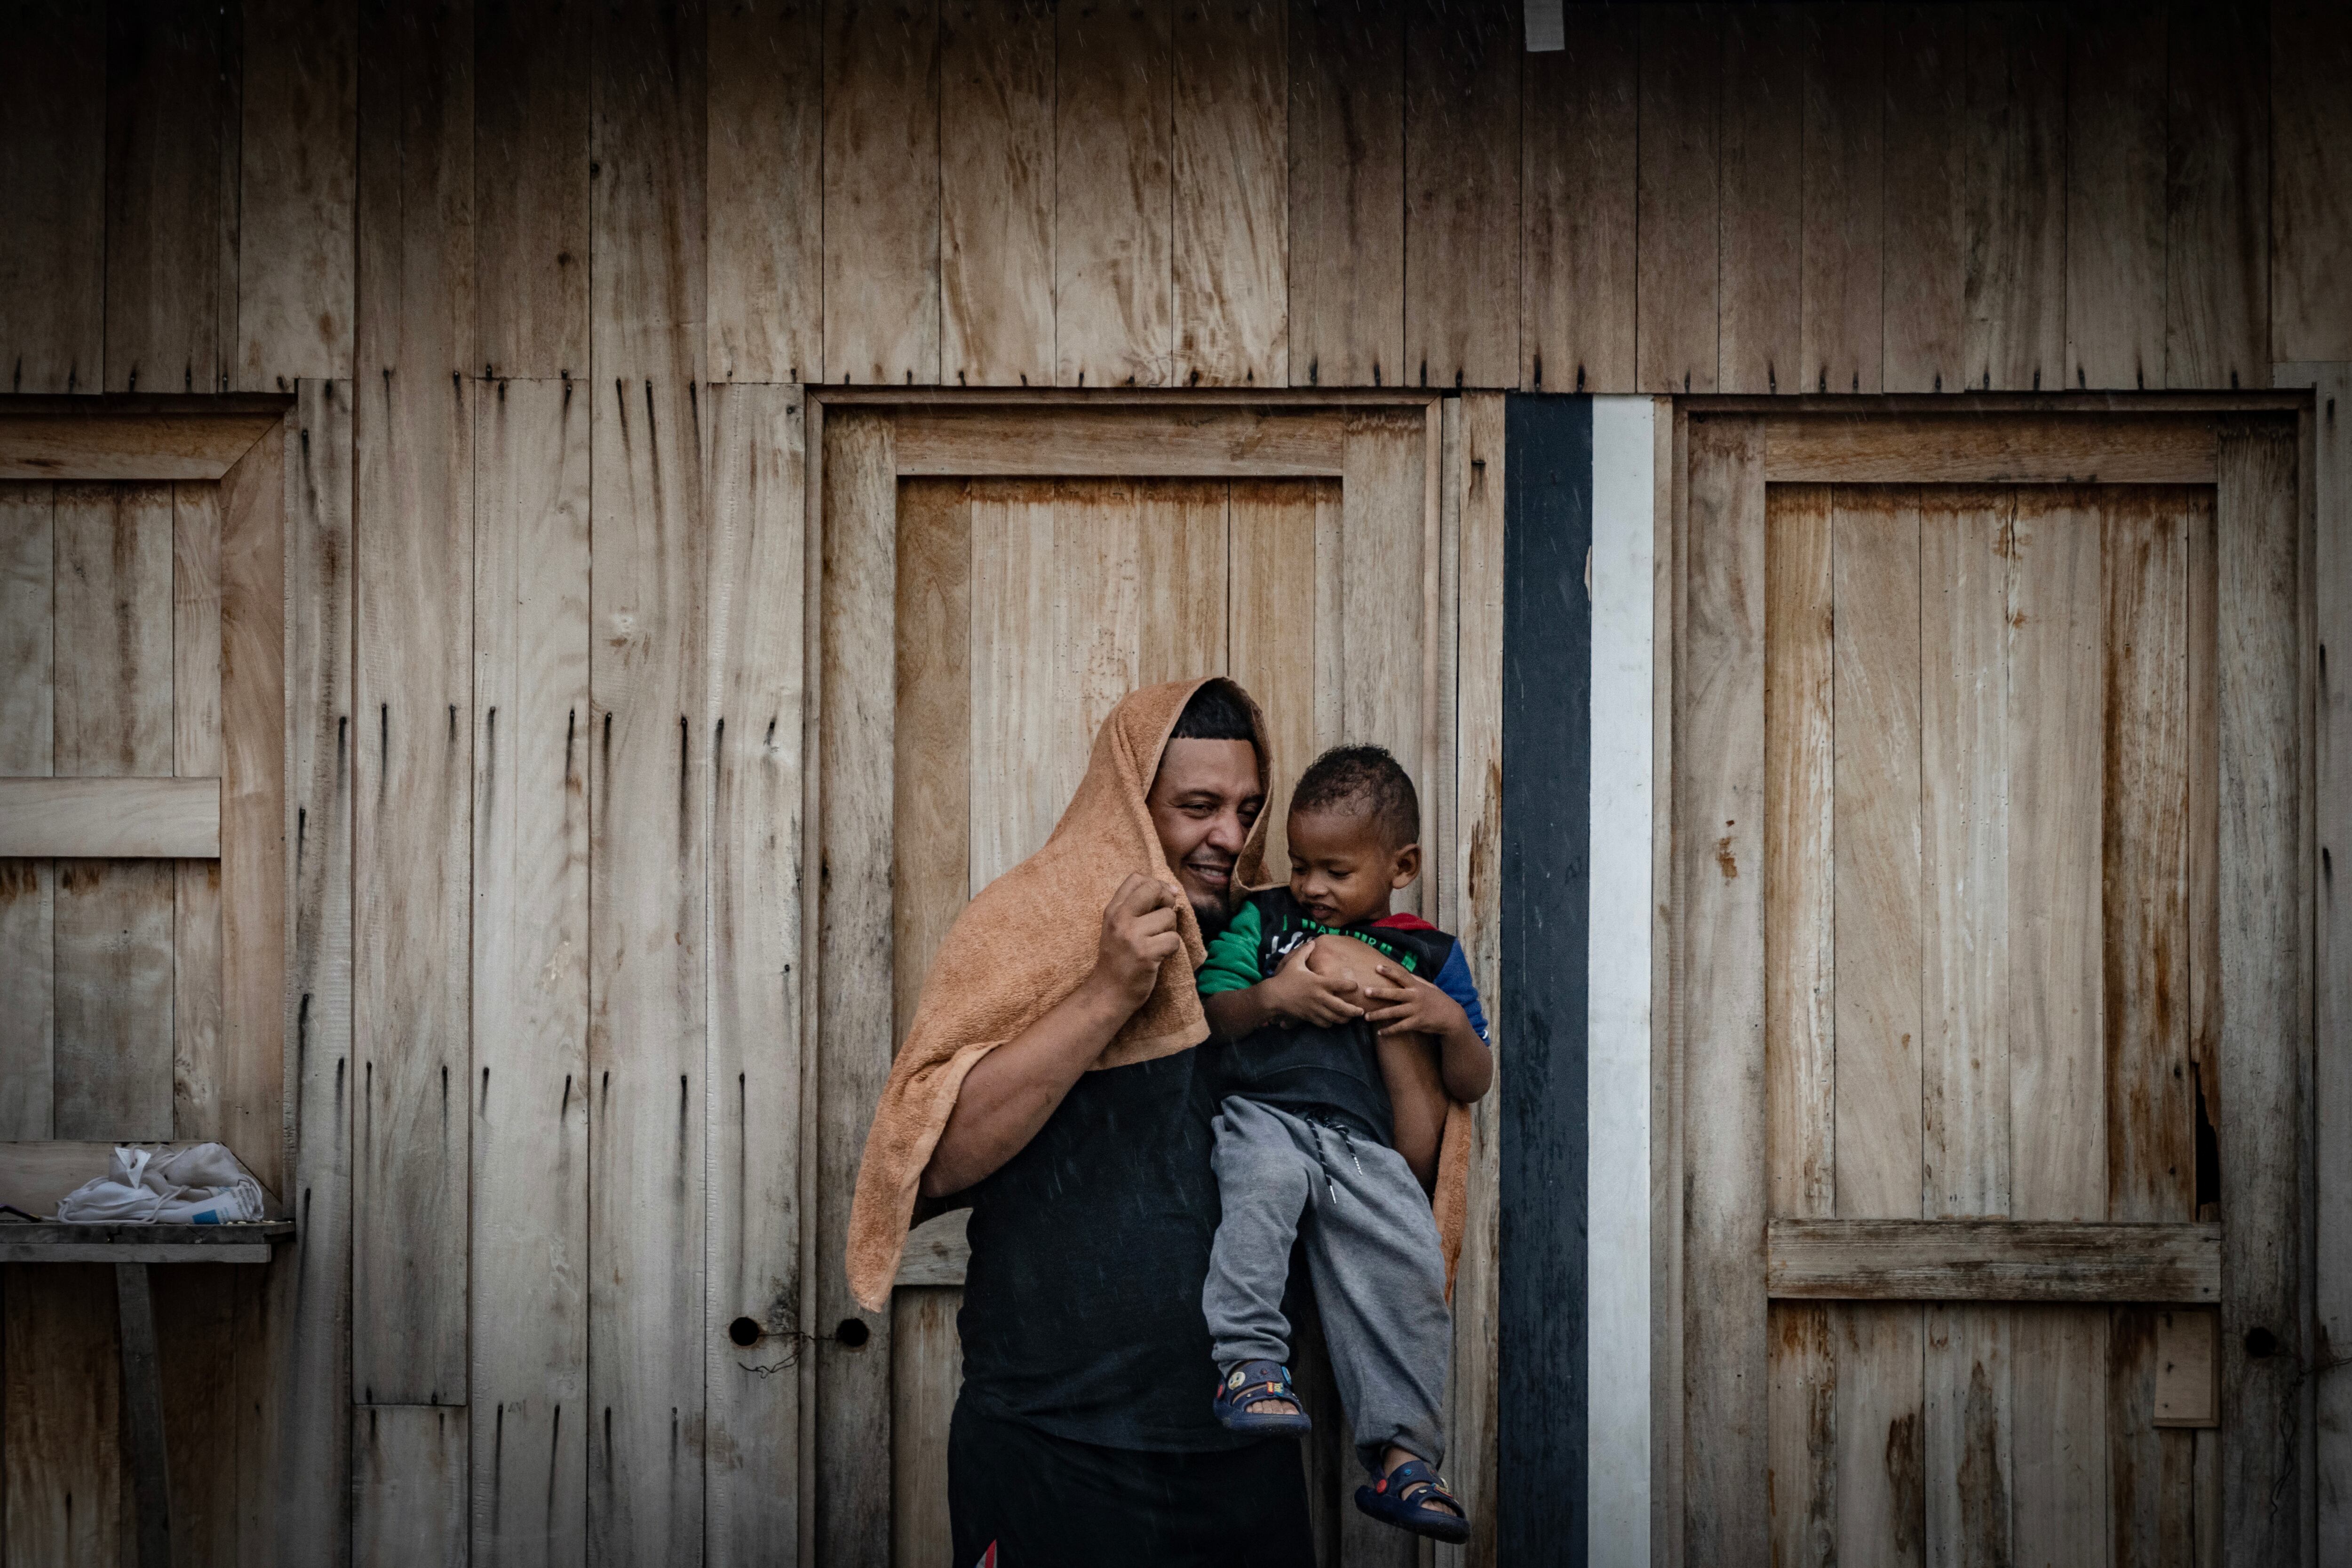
1332 1062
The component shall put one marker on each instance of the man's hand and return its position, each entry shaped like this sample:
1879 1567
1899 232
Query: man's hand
1408 1005
1300 993
1139 934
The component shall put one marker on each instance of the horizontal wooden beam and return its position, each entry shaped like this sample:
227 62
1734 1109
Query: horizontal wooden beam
24 1249
937 1252
1001 397
110 818
1991 1261
1119 443
110 444
1989 448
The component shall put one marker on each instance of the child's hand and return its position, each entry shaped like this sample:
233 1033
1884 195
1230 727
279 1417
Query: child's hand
1297 992
1408 1005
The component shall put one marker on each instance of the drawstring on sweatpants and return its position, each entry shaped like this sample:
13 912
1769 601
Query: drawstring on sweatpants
1323 1154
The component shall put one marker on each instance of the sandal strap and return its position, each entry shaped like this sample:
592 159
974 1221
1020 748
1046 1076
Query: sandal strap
1262 1387
1417 1474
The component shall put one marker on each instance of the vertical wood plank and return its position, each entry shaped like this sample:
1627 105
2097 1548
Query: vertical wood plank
2115 196
408 1486
646 80
2151 1096
297 194
1800 884
1273 643
1925 109
2058 766
1577 205
1802 1403
2014 336
996 192
930 777
1181 595
757 494
1346 193
197 1370
413 766
764 167
528 1333
2217 191
1678 201
2264 988
2061 1436
1845 197
202 1073
1722 953
1760 266
1379 638
1113 91
881 192
53 188
857 730
2311 196
928 1370
1462 194
168 79
1968 1426
1964 860
532 184
61 1398
298 1508
2151 1496
1878 1013
114 717
27 887
1231 177
2205 813
1882 1462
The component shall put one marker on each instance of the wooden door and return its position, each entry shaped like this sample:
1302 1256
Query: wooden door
981 621
1992 981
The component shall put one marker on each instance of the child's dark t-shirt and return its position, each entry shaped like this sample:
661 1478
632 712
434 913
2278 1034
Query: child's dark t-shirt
1326 1073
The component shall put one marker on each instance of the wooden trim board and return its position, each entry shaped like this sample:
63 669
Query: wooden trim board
110 818
1991 1261
1989 448
1127 443
106 444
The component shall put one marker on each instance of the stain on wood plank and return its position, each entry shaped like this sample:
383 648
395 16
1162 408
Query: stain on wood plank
1678 200
1577 204
2217 185
996 192
52 186
532 176
2311 200
2115 198
296 195
1346 193
1926 197
1844 185
1802 1413
882 178
765 172
1231 262
2013 336
1113 212
408 1485
1759 271
60 1449
646 152
1462 194
1881 1483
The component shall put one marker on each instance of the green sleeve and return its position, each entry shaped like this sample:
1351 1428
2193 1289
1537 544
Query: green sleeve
1231 964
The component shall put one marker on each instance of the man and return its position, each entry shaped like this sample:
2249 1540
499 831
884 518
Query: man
1084 1434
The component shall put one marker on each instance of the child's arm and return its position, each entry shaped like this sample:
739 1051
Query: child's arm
1296 993
1407 1003
1416 1101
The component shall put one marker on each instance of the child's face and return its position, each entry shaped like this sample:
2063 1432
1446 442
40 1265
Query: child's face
1342 867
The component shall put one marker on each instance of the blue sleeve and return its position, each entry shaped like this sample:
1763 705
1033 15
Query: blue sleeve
1231 961
1454 979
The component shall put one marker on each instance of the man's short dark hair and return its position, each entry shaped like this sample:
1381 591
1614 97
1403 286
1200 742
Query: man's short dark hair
1216 712
1362 779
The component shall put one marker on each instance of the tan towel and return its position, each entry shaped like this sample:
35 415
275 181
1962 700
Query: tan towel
1025 943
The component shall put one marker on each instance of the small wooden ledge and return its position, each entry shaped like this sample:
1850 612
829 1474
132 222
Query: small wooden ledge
52 1241
1992 1260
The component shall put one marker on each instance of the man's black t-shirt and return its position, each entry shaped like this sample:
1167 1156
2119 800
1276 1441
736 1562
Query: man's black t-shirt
1082 1303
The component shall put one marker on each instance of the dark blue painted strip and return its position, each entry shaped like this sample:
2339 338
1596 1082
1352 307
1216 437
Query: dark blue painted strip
1545 908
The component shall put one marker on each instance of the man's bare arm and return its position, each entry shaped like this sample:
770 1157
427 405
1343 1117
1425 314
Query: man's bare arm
1011 1091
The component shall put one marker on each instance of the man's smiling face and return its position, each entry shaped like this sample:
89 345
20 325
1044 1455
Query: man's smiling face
1203 801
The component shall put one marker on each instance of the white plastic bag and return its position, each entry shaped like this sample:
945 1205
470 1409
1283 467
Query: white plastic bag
201 1185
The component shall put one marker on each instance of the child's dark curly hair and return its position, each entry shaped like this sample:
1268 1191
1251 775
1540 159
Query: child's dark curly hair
1364 779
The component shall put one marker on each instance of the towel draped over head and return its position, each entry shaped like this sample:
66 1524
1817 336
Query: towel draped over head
1025 942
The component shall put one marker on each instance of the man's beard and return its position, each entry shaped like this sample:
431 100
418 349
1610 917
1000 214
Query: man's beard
1212 913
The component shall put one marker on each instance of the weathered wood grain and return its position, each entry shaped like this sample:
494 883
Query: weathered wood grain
151 444
1800 884
53 187
2060 1435
1110 443
1926 197
1346 193
199 1066
1877 1019
132 819
1387 540
928 1368
170 85
1180 554
1880 1351
2311 201
1577 204
1964 932
2014 335
297 194
857 730
757 495
881 192
2051 448
930 777
1113 323
1272 641
2204 807
1461 140
2266 987
2059 1019
649 796
1761 243
1969 1439
197 1367
146 1484
939 1251
62 1400
2148 1500
532 184
647 149
408 1486
1722 953
1678 200
996 192
27 887
1845 200
1802 1404
2217 183
764 168
527 1094
2115 196
1230 264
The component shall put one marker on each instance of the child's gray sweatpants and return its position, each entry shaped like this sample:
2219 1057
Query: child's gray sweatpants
1372 1254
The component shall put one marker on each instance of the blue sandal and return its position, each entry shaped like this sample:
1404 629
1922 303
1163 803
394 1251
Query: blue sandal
1403 1497
1251 1382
